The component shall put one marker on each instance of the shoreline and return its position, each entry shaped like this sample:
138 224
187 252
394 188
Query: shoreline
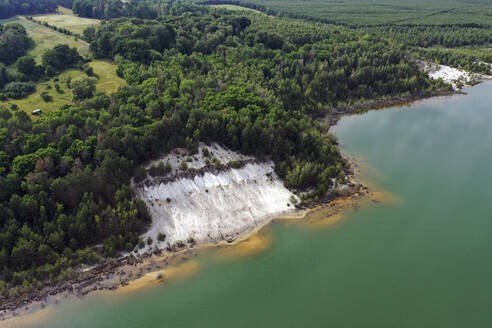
332 117
128 270
130 273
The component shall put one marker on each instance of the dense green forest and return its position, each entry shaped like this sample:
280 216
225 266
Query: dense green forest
436 30
10 8
253 83
108 9
101 9
358 13
465 47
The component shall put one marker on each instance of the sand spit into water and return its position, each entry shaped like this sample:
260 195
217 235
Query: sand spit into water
255 244
172 273
28 320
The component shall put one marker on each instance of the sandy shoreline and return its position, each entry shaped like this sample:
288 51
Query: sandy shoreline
128 276
129 273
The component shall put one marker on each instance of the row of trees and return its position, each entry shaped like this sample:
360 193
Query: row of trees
9 8
53 27
107 9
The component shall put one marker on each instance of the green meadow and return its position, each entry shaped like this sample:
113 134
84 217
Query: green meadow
64 18
105 72
46 38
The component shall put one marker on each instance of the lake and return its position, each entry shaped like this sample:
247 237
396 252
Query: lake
423 261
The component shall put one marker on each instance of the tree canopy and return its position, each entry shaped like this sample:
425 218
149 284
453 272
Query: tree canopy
250 82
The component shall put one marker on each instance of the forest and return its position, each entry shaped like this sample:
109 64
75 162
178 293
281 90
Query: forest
253 83
9 8
363 13
113 9
440 31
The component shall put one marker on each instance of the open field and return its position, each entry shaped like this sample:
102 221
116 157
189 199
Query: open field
108 82
46 38
370 12
65 19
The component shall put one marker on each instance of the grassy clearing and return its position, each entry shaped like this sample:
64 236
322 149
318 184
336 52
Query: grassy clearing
65 19
237 8
108 82
46 38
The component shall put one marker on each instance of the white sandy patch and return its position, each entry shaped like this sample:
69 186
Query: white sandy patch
450 75
213 207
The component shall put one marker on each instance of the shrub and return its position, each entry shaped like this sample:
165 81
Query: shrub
183 166
160 170
236 164
293 200
83 88
46 97
88 70
68 82
217 163
49 71
58 89
19 90
161 236
141 244
153 170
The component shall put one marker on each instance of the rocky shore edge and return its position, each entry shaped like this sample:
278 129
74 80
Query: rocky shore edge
333 116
